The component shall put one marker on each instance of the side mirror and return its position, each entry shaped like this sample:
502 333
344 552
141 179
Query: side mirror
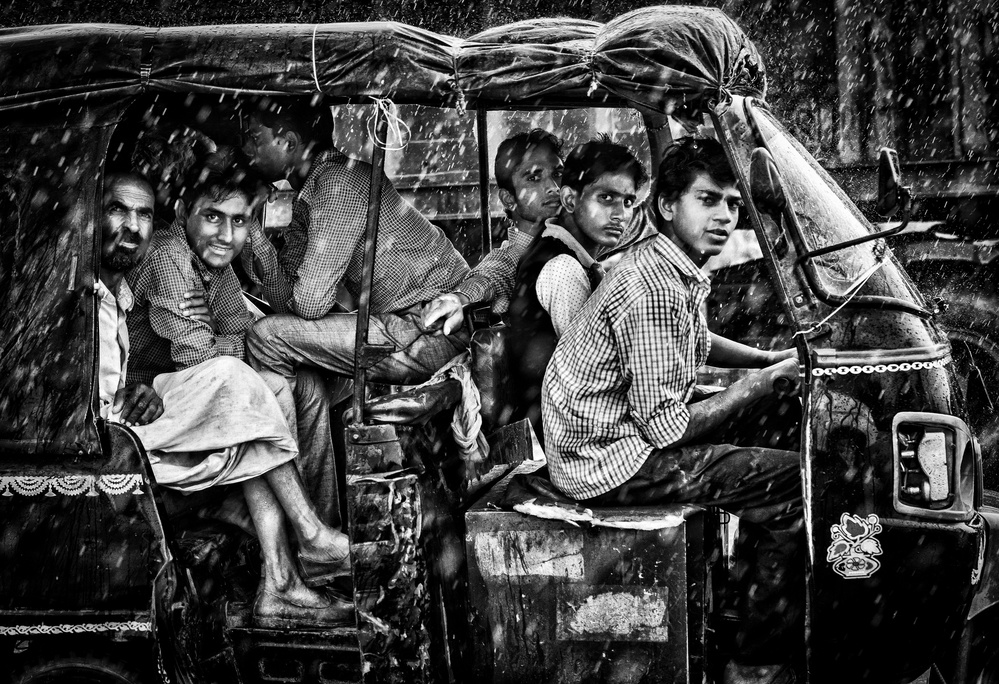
892 195
765 185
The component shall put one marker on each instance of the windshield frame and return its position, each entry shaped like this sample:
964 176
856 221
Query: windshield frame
805 258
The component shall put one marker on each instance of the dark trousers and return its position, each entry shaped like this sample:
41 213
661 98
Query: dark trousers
763 487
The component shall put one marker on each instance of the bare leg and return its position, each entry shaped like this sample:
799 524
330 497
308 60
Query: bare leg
316 540
279 576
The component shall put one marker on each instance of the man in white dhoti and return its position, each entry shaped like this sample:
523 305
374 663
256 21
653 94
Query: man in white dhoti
211 421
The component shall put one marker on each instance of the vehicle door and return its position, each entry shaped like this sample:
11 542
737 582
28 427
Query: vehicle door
891 473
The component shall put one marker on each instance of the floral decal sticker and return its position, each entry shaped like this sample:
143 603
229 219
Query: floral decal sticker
854 546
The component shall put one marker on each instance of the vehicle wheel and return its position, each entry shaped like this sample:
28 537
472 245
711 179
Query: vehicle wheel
976 359
77 669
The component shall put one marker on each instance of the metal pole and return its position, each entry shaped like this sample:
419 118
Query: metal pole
367 274
482 130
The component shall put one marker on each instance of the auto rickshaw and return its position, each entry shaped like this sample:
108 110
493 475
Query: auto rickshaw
95 582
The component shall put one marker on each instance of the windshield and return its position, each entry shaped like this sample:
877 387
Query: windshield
827 217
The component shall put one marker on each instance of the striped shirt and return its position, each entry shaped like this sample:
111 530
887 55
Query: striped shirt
163 338
618 384
324 245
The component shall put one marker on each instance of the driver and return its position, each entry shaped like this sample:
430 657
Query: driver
620 424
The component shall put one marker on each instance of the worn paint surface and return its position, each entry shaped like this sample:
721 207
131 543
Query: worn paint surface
631 613
544 553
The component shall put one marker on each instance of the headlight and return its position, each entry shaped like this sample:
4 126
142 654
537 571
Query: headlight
937 466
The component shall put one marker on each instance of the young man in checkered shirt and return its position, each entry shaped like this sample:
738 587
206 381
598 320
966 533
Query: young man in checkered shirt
620 424
213 421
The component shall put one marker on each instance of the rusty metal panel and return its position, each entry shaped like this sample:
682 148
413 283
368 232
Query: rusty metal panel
531 553
389 569
554 602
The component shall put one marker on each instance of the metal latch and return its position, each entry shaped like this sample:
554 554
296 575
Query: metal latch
373 353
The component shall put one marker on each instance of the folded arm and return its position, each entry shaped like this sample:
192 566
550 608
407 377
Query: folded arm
191 341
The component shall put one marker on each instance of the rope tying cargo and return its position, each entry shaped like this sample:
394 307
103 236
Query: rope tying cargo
315 72
593 73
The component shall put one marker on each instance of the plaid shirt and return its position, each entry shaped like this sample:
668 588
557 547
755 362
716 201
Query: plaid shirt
324 245
261 263
618 384
162 338
493 278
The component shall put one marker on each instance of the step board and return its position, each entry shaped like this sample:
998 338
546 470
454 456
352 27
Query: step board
308 655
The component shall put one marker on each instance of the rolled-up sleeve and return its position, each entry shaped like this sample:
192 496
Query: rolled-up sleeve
494 276
191 341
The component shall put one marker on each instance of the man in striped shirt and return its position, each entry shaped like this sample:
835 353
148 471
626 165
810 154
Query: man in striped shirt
620 424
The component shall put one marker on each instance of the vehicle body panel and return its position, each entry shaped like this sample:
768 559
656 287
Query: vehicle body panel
868 359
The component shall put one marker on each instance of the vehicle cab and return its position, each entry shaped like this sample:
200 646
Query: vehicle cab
900 583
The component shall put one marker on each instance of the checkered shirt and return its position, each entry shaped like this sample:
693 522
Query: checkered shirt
493 278
324 245
618 384
261 263
162 338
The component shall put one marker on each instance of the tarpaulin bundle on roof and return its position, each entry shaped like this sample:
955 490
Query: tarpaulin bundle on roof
641 56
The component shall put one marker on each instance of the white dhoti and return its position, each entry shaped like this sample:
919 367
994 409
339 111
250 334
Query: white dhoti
221 424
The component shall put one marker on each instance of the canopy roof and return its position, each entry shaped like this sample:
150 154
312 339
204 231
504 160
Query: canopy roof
641 57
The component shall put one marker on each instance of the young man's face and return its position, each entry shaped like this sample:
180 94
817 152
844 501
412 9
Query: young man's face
536 182
703 217
127 224
216 229
270 154
603 209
